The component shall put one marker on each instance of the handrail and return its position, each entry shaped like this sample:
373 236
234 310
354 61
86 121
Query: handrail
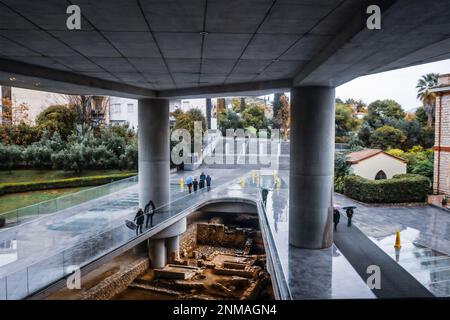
63 253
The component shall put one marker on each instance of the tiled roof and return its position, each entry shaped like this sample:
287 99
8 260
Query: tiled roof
358 156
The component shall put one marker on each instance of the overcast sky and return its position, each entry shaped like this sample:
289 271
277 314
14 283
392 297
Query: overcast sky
399 85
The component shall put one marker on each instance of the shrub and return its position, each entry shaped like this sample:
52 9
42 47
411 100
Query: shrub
129 160
61 183
401 188
38 156
10 156
70 159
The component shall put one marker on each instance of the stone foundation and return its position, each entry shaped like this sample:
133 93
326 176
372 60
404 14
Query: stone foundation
118 282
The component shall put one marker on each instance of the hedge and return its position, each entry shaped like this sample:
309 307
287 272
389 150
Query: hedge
401 188
61 183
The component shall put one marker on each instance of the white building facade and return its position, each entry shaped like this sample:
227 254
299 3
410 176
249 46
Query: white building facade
375 164
125 111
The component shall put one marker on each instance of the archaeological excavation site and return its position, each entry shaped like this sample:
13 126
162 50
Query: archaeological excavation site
220 255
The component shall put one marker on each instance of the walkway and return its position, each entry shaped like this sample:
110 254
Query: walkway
425 235
361 253
39 252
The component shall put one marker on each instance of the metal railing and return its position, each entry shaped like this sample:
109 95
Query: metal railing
37 276
40 209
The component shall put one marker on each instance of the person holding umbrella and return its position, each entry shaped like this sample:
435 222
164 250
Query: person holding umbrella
188 182
349 212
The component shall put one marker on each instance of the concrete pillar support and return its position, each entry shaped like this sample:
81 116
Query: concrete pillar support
311 167
154 151
173 248
157 253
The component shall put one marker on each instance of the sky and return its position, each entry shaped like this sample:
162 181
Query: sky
399 85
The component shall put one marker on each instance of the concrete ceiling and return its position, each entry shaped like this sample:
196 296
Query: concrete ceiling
162 48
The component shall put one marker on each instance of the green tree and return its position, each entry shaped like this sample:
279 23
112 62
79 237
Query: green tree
421 116
345 123
428 98
242 105
277 105
387 137
186 120
229 119
381 111
58 118
254 116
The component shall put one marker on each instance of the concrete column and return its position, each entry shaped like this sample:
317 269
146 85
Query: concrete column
154 151
157 253
173 248
311 167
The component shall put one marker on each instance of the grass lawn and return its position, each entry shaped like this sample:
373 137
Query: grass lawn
13 201
42 175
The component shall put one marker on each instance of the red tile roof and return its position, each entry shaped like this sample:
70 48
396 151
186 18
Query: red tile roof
358 156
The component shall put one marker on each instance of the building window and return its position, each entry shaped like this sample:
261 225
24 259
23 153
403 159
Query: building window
130 108
115 108
380 175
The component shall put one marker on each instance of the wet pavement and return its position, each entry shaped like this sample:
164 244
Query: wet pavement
425 239
42 251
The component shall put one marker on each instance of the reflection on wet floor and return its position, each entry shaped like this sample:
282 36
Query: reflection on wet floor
429 267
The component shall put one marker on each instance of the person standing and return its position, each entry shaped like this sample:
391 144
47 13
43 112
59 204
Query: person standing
195 184
264 193
139 218
149 211
201 184
349 212
208 182
336 218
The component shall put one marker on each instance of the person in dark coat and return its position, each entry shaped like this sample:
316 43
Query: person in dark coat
208 182
195 184
336 218
201 184
139 218
349 212
149 211
264 193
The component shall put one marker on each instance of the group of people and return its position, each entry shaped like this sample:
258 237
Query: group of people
337 216
148 212
194 184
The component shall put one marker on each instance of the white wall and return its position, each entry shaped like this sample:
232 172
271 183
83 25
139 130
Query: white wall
36 100
369 168
118 109
123 110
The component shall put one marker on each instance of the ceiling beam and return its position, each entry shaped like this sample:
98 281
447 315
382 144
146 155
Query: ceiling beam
27 76
351 28
226 90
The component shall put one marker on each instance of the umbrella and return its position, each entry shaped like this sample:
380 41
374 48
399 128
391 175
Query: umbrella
336 206
188 180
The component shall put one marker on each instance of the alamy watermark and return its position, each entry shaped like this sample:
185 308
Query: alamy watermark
374 279
236 147
373 22
74 279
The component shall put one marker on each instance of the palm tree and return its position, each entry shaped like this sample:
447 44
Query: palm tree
428 98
